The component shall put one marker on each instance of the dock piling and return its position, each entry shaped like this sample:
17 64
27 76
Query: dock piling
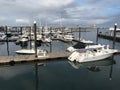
21 30
35 36
79 33
114 38
97 36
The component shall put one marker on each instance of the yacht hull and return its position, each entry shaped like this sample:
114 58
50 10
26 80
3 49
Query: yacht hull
94 58
91 56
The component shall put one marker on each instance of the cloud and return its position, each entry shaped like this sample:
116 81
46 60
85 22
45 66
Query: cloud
2 18
22 21
93 1
87 15
30 9
50 11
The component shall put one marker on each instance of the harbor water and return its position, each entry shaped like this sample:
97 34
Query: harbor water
61 74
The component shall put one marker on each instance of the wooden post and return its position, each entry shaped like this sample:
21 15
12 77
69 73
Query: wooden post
50 46
111 69
21 30
50 39
71 30
6 29
7 47
114 37
97 36
35 36
30 37
79 33
42 31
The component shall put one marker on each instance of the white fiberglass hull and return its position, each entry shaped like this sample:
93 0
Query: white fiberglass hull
94 58
26 51
91 56
68 39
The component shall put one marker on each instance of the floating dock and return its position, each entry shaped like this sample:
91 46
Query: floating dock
54 56
109 37
32 58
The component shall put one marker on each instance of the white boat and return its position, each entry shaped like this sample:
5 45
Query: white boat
72 48
95 54
68 37
2 36
26 51
112 29
46 31
58 32
23 40
92 66
46 39
40 52
86 41
83 44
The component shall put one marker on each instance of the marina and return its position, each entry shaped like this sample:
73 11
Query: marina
54 66
59 45
109 37
26 36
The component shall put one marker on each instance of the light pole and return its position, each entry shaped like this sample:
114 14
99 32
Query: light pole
114 37
35 38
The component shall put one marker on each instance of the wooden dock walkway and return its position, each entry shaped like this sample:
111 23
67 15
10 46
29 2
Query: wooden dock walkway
31 58
108 37
18 59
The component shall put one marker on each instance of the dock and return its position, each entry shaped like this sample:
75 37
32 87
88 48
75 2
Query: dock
18 59
109 37
31 58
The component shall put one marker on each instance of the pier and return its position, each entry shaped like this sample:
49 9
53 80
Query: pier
109 37
31 58
50 56
54 56
5 60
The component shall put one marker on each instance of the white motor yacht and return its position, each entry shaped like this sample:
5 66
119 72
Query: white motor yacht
94 54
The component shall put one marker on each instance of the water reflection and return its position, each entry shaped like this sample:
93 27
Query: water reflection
2 43
95 66
92 66
36 74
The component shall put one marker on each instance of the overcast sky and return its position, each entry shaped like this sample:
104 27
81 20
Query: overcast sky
52 12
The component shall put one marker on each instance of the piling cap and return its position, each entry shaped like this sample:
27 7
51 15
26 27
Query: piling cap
116 24
34 22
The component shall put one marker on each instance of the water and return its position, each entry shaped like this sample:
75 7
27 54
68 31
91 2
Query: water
61 74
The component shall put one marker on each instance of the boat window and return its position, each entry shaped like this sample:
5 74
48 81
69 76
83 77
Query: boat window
95 50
